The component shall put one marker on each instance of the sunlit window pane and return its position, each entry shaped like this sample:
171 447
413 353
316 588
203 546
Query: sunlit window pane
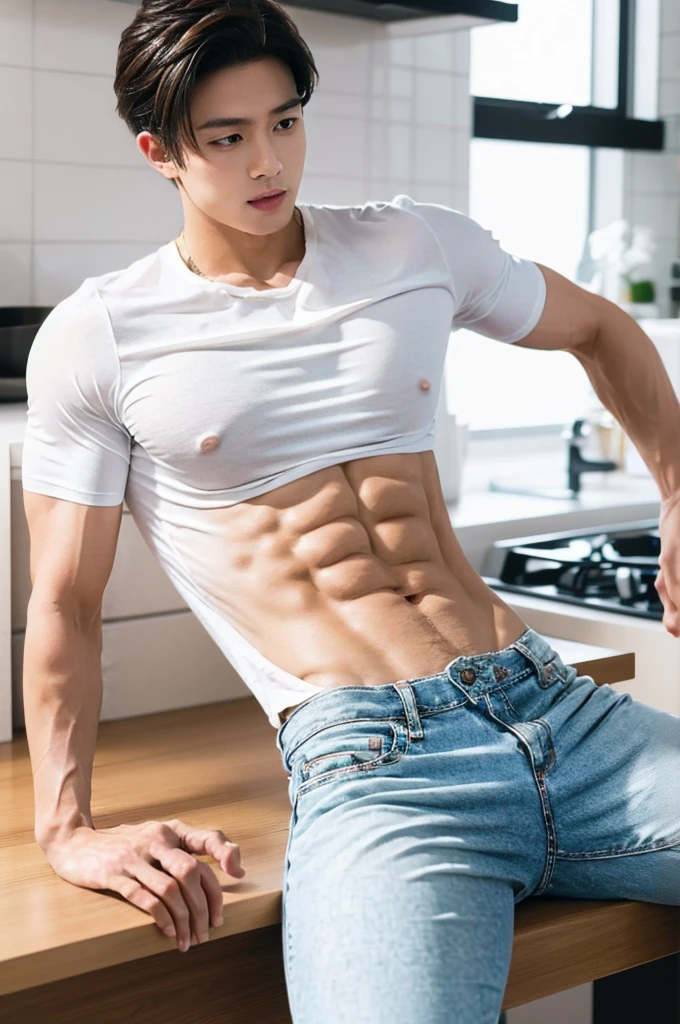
534 198
545 57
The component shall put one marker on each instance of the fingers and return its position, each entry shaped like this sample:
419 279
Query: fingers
671 617
183 898
195 890
173 910
213 894
212 842
179 891
145 892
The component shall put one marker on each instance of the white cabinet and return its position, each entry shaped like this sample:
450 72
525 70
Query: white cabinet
137 585
5 598
150 664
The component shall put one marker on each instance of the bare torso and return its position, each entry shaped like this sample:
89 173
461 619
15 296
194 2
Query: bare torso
353 575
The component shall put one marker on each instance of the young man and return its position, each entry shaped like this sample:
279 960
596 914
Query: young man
262 391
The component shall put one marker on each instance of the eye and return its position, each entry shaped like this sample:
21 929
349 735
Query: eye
218 142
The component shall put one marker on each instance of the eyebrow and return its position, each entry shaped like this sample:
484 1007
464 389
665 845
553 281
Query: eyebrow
229 122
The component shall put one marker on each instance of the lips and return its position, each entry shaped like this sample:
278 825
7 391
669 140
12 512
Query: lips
267 195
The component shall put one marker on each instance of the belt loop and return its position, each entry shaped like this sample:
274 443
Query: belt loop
543 679
415 726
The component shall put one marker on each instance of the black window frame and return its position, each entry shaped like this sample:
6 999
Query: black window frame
595 127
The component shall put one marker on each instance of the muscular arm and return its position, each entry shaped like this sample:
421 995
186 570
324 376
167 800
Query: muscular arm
624 368
72 552
629 377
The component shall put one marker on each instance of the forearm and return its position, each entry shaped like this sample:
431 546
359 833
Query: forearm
630 379
62 689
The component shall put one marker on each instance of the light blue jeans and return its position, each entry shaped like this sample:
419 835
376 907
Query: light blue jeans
423 810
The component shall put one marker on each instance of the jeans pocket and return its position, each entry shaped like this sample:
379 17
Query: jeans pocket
348 748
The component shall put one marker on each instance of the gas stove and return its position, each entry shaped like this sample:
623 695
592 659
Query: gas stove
595 586
612 568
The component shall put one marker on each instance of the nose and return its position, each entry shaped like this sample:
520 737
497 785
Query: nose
264 162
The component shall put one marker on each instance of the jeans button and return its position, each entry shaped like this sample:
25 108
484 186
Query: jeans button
468 675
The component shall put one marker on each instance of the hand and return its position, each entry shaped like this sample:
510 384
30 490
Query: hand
146 864
667 582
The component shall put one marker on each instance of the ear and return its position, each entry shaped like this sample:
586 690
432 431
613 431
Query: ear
152 150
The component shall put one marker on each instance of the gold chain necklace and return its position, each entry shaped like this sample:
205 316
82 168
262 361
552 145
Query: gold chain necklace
192 266
188 260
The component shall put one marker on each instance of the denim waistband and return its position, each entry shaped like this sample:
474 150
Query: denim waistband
465 678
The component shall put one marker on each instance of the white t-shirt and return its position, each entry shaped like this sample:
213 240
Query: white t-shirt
184 395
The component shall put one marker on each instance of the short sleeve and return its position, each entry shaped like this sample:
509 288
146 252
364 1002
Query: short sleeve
75 446
496 294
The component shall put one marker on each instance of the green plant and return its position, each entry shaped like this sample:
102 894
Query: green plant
641 291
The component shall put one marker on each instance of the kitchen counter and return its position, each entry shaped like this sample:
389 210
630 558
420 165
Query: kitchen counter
613 492
215 766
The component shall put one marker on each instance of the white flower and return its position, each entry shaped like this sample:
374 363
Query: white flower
619 247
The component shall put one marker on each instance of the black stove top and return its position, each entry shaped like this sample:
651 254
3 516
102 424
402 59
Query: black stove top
612 568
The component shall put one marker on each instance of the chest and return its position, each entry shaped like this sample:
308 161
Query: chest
221 408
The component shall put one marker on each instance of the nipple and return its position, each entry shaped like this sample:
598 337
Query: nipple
209 443
424 384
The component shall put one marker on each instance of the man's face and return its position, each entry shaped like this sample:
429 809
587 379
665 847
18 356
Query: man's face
235 163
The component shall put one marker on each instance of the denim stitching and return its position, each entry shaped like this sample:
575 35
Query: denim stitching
520 677
320 757
344 721
508 703
548 815
539 666
539 778
453 706
524 674
284 902
551 853
551 762
604 854
392 756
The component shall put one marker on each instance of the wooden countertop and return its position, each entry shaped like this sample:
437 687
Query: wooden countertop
215 766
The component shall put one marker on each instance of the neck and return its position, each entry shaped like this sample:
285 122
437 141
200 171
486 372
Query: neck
217 250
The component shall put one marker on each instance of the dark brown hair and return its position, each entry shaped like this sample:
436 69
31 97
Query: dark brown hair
170 45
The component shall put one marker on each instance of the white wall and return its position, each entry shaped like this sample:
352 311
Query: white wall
77 198
652 180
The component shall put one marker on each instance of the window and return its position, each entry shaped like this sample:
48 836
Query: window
545 56
537 208
549 91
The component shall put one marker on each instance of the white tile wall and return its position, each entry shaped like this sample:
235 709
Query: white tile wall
16 197
78 199
16 98
652 180
16 37
78 35
15 274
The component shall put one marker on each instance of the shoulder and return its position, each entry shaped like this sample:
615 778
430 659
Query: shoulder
402 210
84 317
385 227
75 338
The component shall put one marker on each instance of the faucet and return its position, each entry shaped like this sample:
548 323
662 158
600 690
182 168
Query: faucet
576 435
